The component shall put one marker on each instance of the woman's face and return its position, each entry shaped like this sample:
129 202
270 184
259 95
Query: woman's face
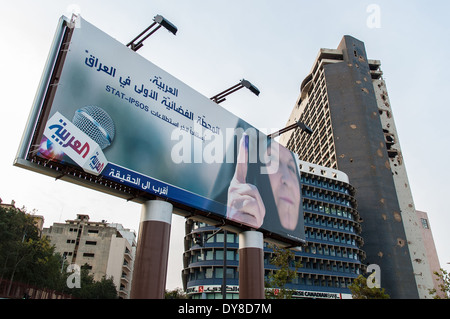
285 186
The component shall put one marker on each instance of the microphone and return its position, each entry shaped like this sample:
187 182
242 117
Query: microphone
96 123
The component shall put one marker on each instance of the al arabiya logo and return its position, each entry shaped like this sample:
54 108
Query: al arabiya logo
68 139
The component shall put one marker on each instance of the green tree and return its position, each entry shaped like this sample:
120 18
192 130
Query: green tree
91 289
443 277
27 258
16 230
286 272
360 290
46 265
24 256
177 293
104 289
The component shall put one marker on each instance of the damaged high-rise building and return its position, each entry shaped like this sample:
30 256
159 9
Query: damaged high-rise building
344 101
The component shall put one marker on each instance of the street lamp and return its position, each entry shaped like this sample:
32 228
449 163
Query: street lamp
299 124
160 21
218 98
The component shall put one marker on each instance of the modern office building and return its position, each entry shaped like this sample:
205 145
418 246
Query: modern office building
332 258
105 249
345 101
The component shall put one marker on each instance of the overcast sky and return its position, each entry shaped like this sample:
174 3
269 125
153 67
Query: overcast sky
270 43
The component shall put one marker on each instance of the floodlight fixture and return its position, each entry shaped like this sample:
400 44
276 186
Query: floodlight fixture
298 124
159 21
250 86
218 98
166 24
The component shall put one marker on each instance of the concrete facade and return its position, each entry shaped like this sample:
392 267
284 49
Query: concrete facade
432 256
411 222
344 100
105 251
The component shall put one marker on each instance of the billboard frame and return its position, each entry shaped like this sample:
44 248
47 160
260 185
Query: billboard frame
28 159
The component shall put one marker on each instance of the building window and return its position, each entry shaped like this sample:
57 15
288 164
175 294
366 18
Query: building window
231 255
231 237
231 273
209 255
211 238
200 274
88 254
219 254
424 223
219 238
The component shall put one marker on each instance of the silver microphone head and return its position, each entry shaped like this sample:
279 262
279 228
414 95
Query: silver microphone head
96 123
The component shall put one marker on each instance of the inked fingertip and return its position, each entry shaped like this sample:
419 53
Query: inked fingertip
246 141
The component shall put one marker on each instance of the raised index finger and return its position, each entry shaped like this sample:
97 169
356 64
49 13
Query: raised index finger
240 175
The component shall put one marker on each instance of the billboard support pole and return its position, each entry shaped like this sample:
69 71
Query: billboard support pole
251 265
152 254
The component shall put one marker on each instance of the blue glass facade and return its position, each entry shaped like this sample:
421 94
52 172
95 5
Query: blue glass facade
331 259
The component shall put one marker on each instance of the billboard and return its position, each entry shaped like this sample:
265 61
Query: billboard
111 117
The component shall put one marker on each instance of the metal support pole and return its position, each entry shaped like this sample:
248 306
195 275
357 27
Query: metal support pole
221 96
251 265
132 44
224 279
299 124
152 253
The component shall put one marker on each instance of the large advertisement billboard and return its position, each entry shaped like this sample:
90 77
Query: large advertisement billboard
118 117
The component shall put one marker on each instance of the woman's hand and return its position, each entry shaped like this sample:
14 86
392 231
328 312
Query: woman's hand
244 202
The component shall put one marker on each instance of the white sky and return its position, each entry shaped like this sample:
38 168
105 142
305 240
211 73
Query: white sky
270 43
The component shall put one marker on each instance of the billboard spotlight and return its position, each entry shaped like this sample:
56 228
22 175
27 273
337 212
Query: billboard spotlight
162 22
166 24
218 98
250 86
